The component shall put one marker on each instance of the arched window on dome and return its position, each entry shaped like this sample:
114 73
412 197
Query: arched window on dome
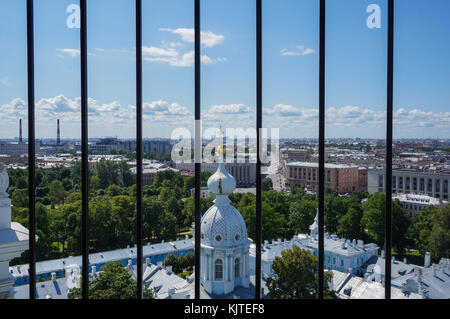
237 268
218 265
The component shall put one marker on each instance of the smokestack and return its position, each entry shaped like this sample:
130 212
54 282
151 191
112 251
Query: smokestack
20 130
58 138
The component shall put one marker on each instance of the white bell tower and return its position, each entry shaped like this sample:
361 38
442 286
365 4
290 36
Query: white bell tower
13 238
224 240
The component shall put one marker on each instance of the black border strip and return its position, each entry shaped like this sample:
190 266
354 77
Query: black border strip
31 151
197 164
84 152
258 221
321 147
139 219
389 131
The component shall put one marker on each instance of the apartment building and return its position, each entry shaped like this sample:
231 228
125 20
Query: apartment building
339 177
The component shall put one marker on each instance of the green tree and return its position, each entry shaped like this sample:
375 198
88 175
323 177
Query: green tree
350 224
189 183
296 276
273 222
420 228
113 282
439 238
57 192
126 177
173 177
267 184
113 190
174 261
302 215
373 221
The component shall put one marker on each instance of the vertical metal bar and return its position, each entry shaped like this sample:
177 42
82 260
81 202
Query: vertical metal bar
321 147
197 140
31 150
139 219
258 224
389 127
84 152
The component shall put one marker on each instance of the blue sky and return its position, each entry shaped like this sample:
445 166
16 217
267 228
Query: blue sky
355 67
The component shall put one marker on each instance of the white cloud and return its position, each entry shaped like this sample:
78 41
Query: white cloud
158 52
230 109
208 39
297 50
73 53
186 60
162 107
4 81
173 54
287 117
284 110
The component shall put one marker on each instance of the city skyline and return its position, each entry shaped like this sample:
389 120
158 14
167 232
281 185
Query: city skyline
355 75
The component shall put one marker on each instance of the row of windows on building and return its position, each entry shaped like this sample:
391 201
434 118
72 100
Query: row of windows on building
218 269
417 184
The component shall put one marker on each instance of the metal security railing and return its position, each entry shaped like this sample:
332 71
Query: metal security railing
139 153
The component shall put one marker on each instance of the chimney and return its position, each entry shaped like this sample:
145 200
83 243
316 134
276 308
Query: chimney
427 259
405 261
53 276
169 269
58 133
94 271
20 131
433 267
147 261
382 254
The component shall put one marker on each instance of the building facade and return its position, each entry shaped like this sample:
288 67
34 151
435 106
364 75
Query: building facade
342 178
340 254
414 203
244 173
410 182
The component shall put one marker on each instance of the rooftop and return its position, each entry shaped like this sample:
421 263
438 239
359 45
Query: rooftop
327 165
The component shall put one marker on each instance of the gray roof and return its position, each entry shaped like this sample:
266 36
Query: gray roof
48 266
44 290
314 164
348 286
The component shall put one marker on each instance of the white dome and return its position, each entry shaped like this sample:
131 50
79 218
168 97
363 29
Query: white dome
223 226
221 182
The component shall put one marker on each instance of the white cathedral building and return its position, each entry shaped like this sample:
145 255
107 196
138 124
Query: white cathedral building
224 241
13 238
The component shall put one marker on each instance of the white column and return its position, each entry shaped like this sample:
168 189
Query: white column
225 266
230 269
207 267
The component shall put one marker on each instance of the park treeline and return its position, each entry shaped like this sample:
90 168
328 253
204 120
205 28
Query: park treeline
168 212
